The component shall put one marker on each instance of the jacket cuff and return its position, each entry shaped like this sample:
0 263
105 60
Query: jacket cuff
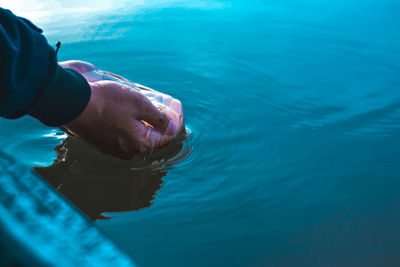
66 99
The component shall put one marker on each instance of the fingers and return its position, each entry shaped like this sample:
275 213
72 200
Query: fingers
176 105
153 116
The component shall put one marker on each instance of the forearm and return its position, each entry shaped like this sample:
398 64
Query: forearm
31 82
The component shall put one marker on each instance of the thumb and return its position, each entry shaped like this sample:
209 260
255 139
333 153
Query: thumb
154 116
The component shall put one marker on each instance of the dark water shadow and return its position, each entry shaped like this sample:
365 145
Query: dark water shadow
98 183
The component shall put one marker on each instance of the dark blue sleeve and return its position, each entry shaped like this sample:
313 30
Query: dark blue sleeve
31 81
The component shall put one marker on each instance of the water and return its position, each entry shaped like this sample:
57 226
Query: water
293 109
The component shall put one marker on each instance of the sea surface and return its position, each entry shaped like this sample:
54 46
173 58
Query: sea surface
292 110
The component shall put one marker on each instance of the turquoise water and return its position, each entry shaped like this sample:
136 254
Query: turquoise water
293 109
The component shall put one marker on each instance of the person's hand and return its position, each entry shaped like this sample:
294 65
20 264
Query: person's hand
120 121
124 118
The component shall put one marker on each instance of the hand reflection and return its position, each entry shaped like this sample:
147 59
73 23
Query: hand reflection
98 183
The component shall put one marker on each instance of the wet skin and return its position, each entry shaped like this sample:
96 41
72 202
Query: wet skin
124 118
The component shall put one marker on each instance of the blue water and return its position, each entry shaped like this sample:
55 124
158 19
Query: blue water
293 109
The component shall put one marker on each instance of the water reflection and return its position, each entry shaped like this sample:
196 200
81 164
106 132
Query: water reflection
98 183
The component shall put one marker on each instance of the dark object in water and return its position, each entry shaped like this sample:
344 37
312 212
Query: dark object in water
98 183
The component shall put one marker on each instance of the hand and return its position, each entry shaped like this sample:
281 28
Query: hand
129 121
119 121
